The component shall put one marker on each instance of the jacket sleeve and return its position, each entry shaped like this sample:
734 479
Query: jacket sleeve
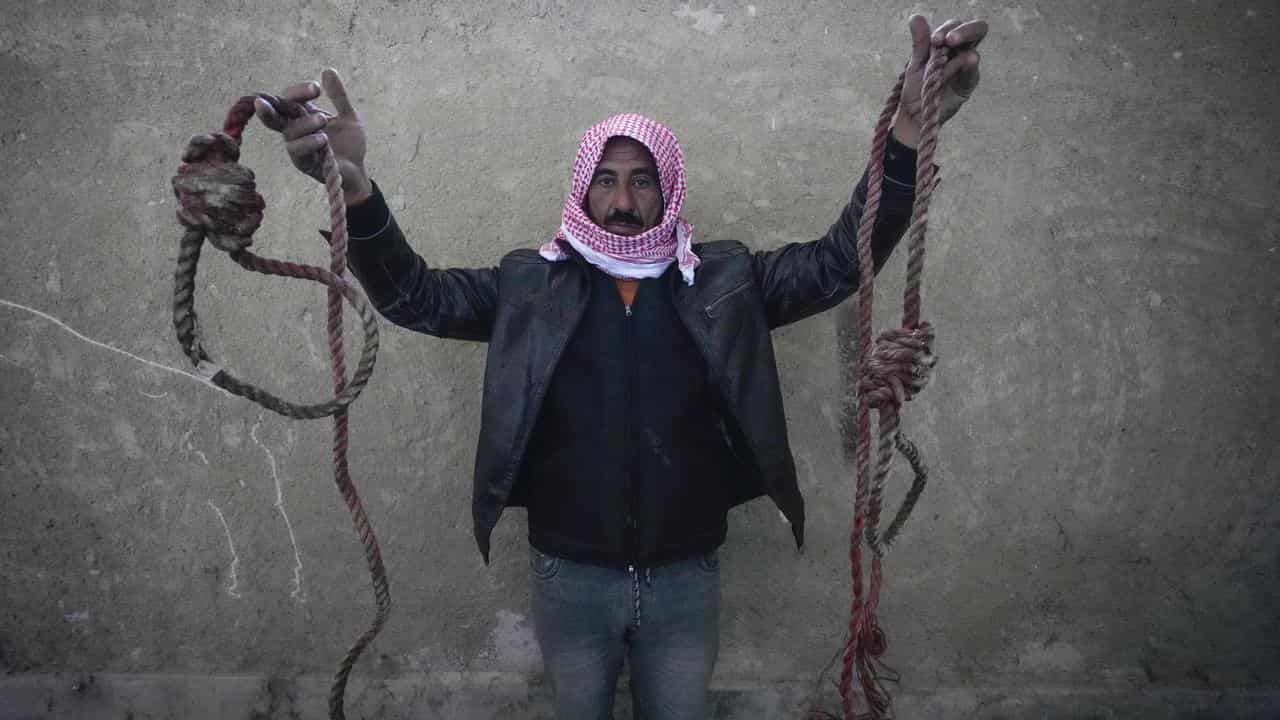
802 279
457 303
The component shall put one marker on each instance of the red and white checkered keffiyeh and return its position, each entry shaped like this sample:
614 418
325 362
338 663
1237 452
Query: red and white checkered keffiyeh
632 257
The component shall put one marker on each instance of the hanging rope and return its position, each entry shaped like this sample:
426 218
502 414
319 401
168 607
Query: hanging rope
217 201
891 371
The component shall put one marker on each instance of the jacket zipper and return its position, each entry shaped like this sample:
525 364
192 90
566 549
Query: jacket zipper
710 310
630 533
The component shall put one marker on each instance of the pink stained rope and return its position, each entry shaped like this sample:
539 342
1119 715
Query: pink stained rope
217 200
891 371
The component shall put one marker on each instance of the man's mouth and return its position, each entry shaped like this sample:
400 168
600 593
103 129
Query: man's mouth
623 228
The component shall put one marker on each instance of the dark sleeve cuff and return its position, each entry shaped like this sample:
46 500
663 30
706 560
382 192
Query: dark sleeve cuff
900 163
370 217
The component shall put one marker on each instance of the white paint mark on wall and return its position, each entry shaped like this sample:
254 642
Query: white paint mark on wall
235 558
1018 17
706 20
305 328
297 593
390 498
1054 656
190 447
95 343
128 438
231 433
1155 299
514 641
54 283
751 10
79 616
153 397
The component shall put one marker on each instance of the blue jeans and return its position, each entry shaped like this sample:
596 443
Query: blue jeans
664 621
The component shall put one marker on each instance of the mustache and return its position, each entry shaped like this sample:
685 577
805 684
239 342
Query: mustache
622 217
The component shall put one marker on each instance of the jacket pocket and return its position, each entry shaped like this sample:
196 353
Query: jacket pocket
718 304
543 566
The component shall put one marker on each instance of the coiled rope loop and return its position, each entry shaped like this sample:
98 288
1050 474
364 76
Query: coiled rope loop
892 370
218 201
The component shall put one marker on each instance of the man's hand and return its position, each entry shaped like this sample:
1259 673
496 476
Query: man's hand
960 77
307 135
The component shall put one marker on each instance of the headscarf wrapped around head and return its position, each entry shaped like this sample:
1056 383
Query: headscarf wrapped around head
640 256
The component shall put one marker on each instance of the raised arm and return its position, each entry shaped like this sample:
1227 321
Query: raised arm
446 303
454 303
801 279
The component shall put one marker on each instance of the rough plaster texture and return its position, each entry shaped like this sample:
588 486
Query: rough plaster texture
1101 536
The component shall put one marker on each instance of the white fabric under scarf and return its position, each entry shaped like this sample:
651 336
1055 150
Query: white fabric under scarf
627 269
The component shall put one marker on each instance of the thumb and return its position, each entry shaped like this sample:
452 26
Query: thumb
267 115
337 93
919 27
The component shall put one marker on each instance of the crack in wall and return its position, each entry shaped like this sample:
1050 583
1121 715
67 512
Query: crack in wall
235 558
112 348
297 593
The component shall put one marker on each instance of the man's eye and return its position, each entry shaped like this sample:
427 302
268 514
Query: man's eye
604 181
643 181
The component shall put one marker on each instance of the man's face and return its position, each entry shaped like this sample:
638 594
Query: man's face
625 197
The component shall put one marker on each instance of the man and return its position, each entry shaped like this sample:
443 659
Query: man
630 394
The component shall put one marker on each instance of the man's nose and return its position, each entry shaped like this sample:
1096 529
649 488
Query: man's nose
623 199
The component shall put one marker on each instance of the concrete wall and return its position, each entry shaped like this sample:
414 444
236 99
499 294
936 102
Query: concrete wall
1100 538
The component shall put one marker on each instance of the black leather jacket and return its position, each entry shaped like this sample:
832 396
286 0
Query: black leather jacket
527 308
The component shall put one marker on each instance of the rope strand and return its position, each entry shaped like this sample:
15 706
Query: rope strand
217 201
890 371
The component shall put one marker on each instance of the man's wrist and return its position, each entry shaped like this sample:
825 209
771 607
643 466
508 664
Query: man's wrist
368 218
362 192
906 130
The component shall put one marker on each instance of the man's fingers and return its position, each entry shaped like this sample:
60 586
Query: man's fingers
961 64
919 27
940 33
968 35
313 108
966 77
267 115
305 147
337 92
302 92
303 126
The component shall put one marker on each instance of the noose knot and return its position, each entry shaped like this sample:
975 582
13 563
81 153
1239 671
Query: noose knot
899 366
216 194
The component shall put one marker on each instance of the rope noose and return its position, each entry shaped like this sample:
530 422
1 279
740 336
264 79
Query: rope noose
891 371
217 201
